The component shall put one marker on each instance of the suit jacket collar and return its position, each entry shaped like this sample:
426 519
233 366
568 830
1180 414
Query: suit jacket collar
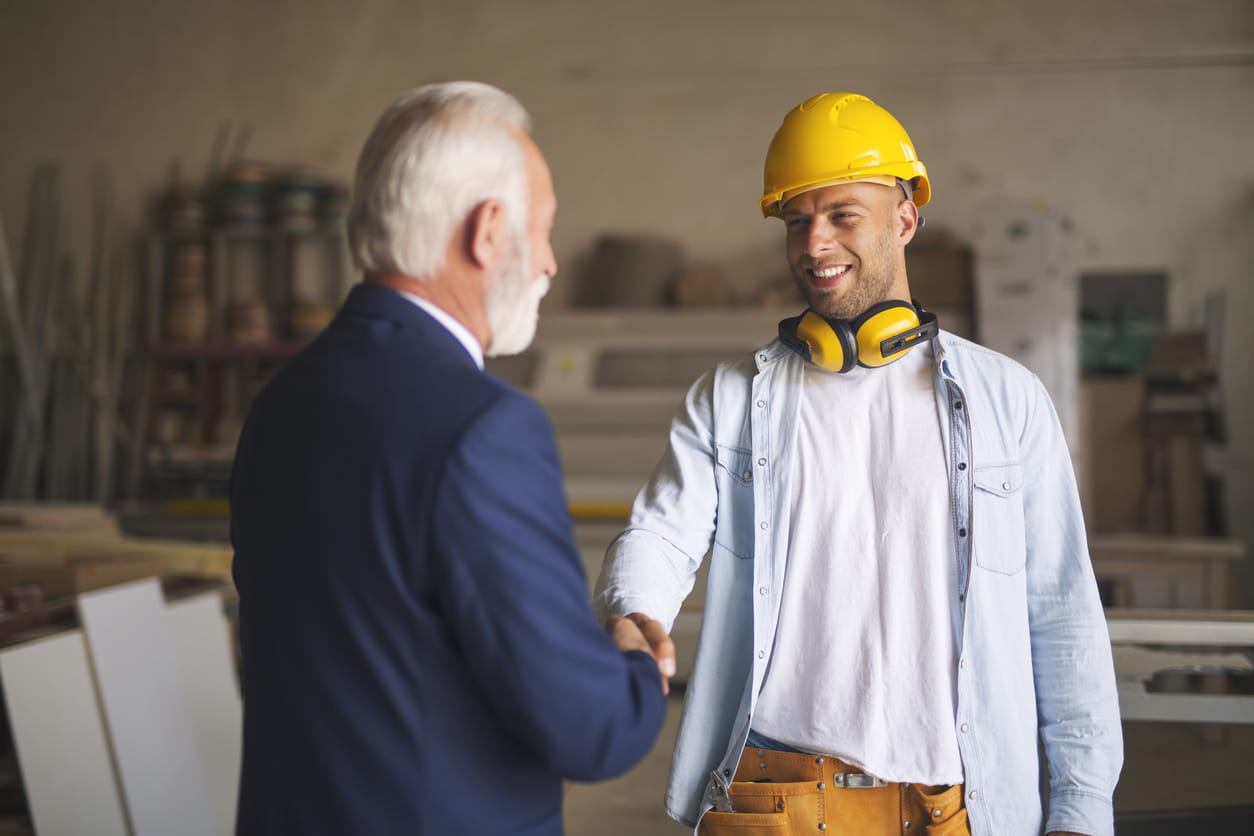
374 301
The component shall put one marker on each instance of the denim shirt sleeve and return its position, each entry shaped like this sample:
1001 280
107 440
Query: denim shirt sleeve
651 566
1073 672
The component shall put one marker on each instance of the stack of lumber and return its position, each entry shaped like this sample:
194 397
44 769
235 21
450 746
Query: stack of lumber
68 549
80 517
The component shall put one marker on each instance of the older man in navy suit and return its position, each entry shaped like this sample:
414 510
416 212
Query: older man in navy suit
419 655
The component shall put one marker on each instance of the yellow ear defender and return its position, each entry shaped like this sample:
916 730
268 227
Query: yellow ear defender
883 333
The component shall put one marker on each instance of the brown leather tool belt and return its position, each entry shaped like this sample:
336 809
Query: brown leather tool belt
790 793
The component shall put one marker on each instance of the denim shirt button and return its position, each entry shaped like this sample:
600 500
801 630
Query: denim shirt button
762 462
764 525
761 404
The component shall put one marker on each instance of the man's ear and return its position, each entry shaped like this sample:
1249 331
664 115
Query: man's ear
907 219
485 233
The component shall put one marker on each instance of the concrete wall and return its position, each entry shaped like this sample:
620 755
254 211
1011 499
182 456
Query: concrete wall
655 115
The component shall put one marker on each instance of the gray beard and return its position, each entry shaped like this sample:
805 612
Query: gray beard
513 304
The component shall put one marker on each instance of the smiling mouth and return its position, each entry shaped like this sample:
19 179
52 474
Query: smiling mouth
828 276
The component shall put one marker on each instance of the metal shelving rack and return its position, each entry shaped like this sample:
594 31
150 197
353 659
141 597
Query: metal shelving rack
187 430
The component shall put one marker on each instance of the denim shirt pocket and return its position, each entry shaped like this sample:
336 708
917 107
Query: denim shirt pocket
999 544
735 499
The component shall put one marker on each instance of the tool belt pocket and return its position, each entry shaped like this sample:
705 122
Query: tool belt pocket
715 823
764 807
946 815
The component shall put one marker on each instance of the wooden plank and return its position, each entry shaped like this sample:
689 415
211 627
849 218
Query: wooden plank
1155 631
1164 570
1164 547
60 739
146 371
102 291
174 555
1223 616
203 645
1135 703
65 390
145 708
38 281
1133 661
30 412
85 517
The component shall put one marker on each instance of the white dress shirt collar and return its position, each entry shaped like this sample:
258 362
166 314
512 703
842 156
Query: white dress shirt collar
461 332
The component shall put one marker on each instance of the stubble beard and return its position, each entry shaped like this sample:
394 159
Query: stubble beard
873 278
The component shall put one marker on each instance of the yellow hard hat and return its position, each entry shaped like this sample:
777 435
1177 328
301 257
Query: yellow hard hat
834 138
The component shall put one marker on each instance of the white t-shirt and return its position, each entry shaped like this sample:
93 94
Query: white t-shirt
864 665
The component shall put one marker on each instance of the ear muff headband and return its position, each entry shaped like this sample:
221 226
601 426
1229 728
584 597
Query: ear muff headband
884 333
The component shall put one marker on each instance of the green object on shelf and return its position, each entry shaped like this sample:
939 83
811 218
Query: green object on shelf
1117 341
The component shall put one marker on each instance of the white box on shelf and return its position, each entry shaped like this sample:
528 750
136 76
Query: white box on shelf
1015 234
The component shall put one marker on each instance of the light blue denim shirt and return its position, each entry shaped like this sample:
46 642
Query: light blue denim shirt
1034 651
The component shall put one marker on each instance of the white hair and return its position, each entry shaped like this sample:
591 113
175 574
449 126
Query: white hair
435 153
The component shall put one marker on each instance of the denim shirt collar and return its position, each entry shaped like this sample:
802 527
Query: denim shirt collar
774 351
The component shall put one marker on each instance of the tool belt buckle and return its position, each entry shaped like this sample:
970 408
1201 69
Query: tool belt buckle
857 781
722 799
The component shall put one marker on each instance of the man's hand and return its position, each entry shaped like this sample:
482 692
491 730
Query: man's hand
639 632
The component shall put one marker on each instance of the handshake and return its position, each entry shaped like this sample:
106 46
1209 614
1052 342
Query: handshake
639 632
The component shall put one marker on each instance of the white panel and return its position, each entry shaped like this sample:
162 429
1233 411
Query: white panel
1151 592
1174 631
145 709
202 642
1136 704
60 738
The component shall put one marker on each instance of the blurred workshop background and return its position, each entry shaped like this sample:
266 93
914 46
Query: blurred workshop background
172 187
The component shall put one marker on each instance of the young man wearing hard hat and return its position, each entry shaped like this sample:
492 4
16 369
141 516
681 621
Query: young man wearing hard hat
900 599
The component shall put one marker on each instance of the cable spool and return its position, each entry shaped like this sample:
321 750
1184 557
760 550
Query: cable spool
243 194
184 211
188 274
189 259
249 322
309 318
296 200
333 203
171 426
187 318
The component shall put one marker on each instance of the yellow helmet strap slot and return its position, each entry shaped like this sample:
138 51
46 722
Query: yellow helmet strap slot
883 333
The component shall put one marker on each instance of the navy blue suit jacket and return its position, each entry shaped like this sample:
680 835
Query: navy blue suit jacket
419 654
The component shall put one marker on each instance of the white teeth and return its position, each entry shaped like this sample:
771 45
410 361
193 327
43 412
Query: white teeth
830 272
